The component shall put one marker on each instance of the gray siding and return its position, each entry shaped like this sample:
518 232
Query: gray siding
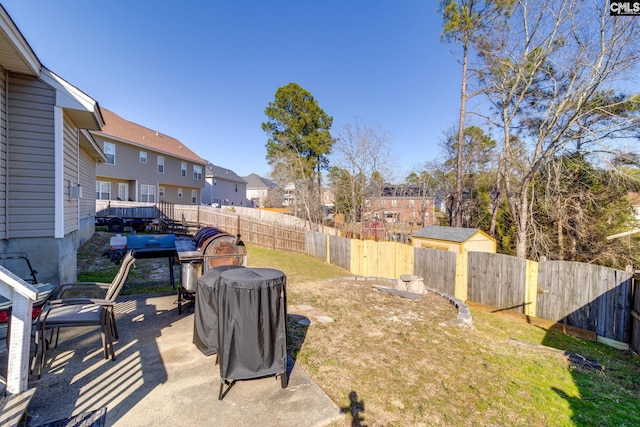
87 183
88 199
70 176
30 106
128 169
225 193
3 153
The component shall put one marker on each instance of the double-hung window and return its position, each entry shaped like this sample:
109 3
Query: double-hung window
160 164
148 193
103 190
194 197
197 172
110 152
143 157
183 169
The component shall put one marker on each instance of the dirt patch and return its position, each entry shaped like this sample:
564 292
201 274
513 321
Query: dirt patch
147 275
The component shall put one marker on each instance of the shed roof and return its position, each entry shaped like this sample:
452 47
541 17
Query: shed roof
450 234
125 130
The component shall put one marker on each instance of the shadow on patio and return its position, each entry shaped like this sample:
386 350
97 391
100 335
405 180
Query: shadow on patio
160 378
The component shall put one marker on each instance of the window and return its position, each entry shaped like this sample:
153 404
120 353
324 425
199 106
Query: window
194 196
183 169
180 193
394 203
160 164
236 188
143 157
411 203
197 172
160 191
103 190
148 193
110 152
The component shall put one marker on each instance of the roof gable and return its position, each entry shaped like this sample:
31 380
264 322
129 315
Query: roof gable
255 182
15 53
117 127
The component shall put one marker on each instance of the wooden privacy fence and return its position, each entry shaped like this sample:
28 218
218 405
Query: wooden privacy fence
587 296
275 236
381 259
437 267
635 318
497 280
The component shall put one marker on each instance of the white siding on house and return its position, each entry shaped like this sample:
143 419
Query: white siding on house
31 158
3 152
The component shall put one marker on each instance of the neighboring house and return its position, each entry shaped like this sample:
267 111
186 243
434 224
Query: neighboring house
401 204
634 201
144 165
47 160
224 188
259 190
455 239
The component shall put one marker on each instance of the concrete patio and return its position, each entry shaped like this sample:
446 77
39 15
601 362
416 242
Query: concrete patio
161 379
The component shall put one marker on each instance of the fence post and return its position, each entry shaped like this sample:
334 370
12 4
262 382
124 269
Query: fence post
328 249
531 288
462 285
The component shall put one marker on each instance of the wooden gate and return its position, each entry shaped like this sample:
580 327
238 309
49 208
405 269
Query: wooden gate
635 317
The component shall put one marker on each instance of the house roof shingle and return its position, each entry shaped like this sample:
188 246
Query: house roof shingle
450 234
222 173
120 128
255 182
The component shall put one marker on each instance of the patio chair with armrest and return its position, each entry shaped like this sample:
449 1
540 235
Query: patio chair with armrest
82 304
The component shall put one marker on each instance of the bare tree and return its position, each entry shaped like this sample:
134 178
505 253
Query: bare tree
546 74
361 154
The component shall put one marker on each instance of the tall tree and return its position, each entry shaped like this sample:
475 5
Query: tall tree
300 140
465 23
546 74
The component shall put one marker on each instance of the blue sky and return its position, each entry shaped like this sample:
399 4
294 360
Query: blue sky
204 71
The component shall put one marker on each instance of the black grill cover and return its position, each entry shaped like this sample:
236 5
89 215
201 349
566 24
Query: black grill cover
252 336
205 324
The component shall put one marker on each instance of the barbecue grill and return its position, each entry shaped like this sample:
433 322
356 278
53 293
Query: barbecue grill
213 248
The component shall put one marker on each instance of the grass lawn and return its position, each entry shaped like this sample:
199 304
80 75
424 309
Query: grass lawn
390 361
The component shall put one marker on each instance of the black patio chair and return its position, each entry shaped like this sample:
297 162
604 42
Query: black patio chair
82 304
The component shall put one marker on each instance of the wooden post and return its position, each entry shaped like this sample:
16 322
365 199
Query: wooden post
531 288
22 295
328 249
461 287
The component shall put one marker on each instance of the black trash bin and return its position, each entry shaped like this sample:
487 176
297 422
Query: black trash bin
252 335
205 323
